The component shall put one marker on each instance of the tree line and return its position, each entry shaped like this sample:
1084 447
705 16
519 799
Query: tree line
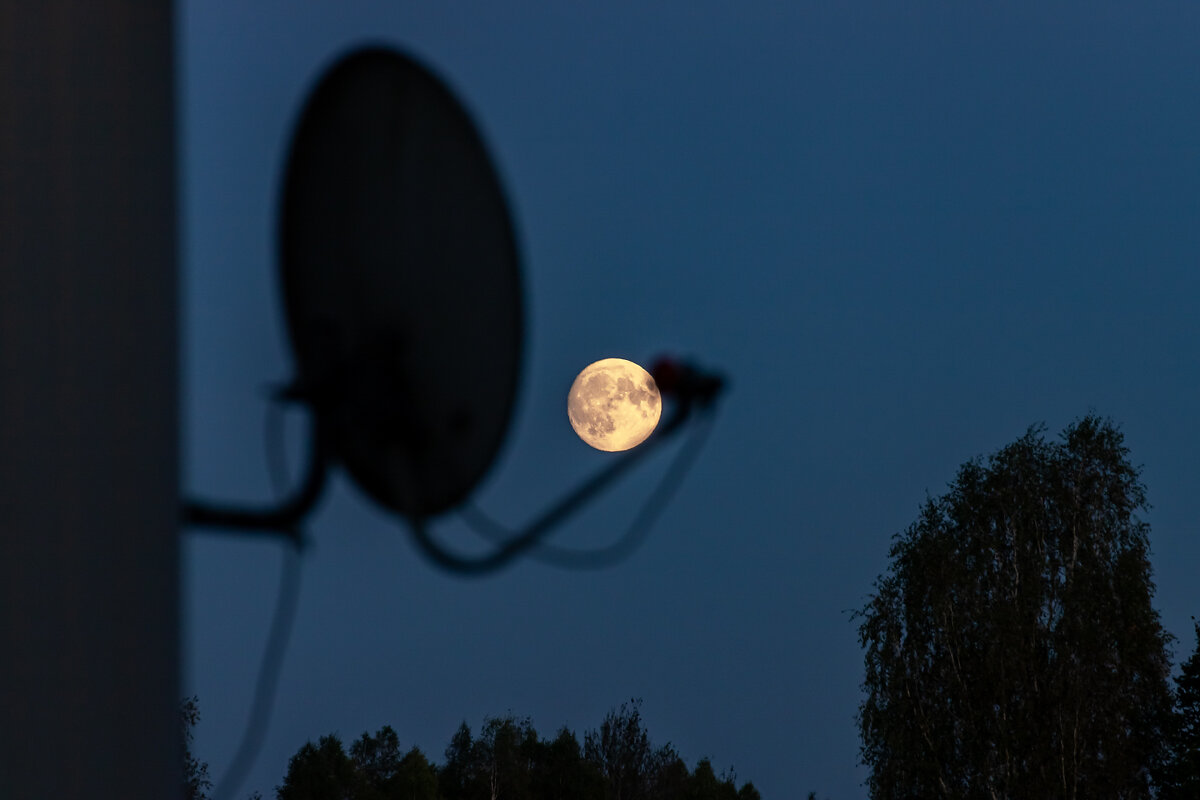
505 760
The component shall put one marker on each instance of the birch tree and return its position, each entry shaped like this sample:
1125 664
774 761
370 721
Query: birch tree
1011 649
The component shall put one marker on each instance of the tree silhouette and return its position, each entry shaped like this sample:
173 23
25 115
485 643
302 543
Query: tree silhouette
381 773
415 778
1011 648
505 751
621 750
704 784
459 777
508 761
563 774
376 758
1180 779
498 763
195 772
320 772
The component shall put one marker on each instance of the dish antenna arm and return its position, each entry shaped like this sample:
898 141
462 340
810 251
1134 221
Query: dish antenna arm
693 390
283 519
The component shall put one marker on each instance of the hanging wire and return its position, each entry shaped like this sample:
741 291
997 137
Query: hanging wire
609 555
282 622
268 677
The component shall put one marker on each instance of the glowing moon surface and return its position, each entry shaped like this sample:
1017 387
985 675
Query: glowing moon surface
613 404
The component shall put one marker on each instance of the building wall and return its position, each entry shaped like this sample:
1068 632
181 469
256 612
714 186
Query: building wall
89 557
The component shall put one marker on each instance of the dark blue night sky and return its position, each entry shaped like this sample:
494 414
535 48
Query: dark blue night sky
906 232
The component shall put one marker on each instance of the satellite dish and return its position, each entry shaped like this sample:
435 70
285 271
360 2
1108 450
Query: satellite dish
401 288
401 283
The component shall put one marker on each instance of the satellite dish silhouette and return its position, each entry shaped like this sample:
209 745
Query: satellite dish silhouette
401 283
401 286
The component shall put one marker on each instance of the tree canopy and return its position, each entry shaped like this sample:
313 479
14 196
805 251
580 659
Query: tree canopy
507 760
196 782
1011 648
1180 776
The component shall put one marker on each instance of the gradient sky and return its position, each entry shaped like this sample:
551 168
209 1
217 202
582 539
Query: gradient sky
905 231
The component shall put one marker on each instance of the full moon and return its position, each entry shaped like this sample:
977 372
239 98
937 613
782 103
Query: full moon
613 404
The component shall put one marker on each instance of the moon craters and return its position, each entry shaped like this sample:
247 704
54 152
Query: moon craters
613 404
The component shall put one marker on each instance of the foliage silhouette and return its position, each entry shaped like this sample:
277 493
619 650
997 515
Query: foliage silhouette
196 782
632 768
508 761
321 772
382 773
1180 776
1011 648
